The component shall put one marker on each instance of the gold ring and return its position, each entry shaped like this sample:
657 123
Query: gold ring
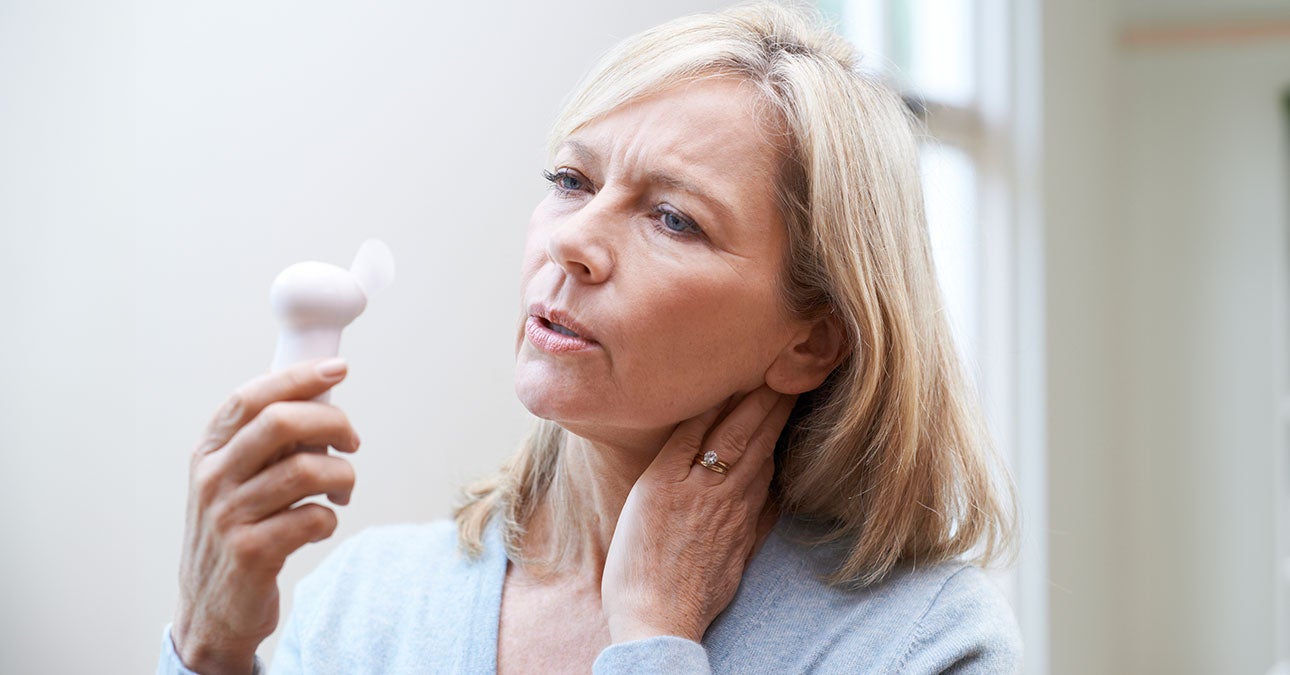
708 460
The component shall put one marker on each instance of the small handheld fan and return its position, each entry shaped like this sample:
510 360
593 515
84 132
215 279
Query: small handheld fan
314 301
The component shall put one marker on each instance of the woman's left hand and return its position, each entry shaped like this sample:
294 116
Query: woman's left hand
686 532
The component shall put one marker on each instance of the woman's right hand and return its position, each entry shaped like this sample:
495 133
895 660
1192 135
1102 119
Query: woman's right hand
247 472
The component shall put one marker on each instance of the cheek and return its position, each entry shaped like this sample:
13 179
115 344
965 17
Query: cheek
535 244
529 267
722 337
534 257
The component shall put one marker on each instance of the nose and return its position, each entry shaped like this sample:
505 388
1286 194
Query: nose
581 247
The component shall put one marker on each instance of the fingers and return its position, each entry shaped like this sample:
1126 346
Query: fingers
758 492
241 524
294 478
679 450
761 445
731 437
273 539
745 438
283 426
300 382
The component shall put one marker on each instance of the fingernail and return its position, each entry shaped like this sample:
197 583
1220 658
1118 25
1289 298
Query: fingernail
332 369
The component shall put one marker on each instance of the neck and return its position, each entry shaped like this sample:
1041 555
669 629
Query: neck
591 484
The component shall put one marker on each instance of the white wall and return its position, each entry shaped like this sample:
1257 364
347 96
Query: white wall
1081 288
1165 189
1205 226
159 164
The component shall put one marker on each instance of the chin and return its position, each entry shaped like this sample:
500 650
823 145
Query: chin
583 416
550 399
536 404
582 410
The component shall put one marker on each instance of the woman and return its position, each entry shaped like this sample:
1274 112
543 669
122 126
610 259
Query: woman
756 453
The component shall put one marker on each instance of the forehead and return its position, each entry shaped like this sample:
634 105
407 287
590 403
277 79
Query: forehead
715 131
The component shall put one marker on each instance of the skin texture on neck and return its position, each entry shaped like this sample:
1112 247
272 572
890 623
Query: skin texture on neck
597 480
598 477
595 477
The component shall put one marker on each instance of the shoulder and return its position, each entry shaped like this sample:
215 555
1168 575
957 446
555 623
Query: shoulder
947 617
396 546
967 625
391 571
388 552
389 596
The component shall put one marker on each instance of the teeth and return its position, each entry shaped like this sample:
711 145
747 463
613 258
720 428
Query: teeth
562 330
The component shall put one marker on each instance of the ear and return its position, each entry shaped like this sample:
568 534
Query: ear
809 357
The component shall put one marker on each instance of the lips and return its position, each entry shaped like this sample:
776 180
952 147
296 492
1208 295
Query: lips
555 331
560 329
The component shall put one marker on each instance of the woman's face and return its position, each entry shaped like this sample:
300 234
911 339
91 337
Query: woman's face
650 285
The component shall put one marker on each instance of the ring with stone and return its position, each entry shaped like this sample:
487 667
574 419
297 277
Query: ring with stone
708 460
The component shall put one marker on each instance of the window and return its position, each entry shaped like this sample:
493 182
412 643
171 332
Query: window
955 63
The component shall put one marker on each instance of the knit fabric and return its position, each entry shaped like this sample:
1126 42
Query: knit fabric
403 599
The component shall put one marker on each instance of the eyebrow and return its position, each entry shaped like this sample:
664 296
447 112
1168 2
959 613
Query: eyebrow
586 154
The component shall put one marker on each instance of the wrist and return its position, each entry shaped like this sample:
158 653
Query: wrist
210 662
628 628
210 659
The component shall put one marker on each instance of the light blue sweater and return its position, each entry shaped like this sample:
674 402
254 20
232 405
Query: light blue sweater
402 599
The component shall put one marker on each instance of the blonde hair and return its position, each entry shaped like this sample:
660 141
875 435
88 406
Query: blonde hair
890 453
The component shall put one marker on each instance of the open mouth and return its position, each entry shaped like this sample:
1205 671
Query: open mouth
559 329
557 332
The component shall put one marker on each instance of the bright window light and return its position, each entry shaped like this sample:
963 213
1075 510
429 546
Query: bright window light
949 192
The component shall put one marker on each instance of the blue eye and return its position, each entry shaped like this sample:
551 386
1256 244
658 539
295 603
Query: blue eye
677 224
565 180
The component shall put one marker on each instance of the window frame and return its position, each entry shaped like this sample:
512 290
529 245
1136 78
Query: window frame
998 130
